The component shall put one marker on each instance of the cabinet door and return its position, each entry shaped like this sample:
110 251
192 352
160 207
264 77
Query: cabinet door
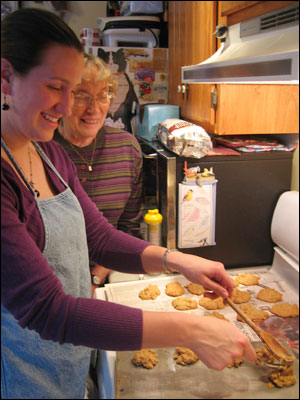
257 109
254 109
191 25
174 56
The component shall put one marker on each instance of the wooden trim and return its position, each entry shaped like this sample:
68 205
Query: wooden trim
232 7
254 10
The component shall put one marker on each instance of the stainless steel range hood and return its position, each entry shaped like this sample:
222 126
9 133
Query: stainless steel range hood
261 50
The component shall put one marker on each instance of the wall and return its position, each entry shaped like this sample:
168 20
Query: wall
81 14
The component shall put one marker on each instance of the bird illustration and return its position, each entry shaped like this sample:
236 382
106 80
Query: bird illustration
188 196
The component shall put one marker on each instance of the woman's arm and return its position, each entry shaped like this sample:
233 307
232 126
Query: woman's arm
217 343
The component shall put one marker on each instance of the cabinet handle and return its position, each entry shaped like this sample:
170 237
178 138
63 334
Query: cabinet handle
214 98
182 88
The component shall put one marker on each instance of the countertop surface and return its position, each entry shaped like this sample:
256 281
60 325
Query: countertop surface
121 379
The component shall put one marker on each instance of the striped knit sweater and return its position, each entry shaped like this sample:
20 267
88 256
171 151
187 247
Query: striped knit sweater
115 183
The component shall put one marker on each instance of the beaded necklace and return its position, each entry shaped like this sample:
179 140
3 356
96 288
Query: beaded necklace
89 164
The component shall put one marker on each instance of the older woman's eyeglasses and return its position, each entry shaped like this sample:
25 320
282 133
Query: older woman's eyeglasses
84 99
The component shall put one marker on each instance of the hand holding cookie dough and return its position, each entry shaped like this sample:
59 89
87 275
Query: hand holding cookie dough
217 343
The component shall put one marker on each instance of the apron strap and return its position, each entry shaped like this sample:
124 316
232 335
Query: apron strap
44 156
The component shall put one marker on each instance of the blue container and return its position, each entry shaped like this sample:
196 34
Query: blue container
149 116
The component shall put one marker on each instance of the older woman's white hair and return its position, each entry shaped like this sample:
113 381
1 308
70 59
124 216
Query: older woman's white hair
96 69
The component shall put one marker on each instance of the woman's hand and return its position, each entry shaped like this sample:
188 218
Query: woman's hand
217 343
210 274
102 273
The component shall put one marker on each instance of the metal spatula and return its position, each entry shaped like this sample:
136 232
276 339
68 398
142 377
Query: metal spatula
273 345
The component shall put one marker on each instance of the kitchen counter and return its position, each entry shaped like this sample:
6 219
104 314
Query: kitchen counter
118 378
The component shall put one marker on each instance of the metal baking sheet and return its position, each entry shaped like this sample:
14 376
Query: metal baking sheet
167 380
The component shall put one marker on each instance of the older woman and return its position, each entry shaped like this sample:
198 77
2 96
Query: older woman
109 161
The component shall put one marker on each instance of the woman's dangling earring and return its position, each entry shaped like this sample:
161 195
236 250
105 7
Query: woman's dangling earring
5 106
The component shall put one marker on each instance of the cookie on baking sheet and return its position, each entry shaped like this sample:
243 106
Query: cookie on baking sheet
216 315
236 363
285 310
253 313
184 303
195 288
269 295
145 358
212 304
264 355
174 289
236 283
283 376
149 293
239 296
185 356
247 279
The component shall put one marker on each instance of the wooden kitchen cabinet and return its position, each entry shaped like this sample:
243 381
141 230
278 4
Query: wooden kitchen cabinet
223 109
190 42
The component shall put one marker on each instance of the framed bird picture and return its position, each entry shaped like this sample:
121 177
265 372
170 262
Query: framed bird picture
196 214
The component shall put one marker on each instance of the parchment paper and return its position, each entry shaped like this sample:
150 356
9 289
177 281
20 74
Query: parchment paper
127 293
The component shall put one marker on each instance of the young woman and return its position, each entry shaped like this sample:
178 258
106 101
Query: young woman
50 229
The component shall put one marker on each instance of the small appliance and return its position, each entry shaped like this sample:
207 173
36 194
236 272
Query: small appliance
149 116
130 31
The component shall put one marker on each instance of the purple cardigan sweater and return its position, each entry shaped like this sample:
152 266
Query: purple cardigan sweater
30 290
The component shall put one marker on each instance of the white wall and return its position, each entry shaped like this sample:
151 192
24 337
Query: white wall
81 14
84 14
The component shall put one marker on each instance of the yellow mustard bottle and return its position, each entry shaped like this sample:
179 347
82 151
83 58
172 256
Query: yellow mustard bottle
153 220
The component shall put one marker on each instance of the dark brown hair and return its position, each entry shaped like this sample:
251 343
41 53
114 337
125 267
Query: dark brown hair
28 32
